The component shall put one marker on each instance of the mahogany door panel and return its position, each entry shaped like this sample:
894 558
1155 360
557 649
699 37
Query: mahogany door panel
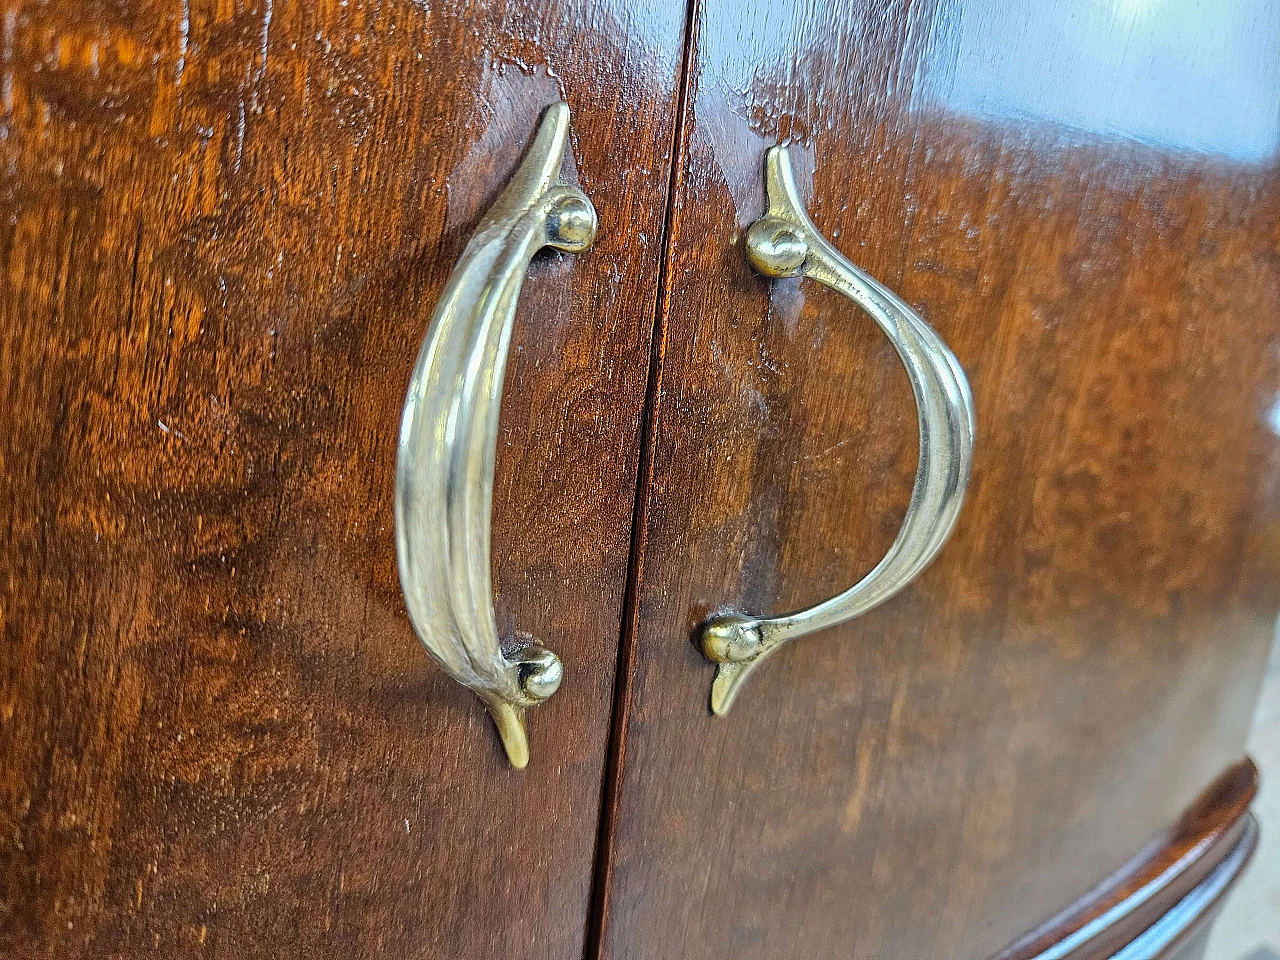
1084 206
223 229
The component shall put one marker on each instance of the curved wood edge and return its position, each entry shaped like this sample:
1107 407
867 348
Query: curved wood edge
1184 927
1176 867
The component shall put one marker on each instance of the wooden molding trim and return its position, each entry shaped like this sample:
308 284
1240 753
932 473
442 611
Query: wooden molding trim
1166 891
1191 916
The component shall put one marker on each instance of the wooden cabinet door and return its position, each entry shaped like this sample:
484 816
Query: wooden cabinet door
223 229
1083 203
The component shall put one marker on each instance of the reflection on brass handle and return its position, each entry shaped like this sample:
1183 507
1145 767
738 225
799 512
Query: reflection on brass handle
785 243
448 435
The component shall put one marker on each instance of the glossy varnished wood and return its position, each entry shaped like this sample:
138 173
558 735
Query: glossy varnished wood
222 227
936 778
1202 852
1182 931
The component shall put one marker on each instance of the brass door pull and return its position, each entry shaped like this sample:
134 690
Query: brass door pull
785 243
448 434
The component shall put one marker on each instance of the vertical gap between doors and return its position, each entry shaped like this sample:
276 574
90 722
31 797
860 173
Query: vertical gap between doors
611 788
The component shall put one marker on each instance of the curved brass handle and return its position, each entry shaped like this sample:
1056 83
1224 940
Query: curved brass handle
785 243
448 434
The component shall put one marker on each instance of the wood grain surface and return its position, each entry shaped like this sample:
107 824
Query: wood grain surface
222 229
1084 204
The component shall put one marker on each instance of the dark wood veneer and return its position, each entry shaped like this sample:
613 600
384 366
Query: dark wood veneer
222 230
1082 659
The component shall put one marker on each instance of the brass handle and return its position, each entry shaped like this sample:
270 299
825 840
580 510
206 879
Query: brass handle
785 243
448 435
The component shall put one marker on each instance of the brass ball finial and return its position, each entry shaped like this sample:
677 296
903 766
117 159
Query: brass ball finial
571 223
732 638
775 249
540 673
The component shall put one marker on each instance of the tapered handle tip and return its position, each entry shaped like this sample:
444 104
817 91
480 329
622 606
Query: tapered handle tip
509 720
